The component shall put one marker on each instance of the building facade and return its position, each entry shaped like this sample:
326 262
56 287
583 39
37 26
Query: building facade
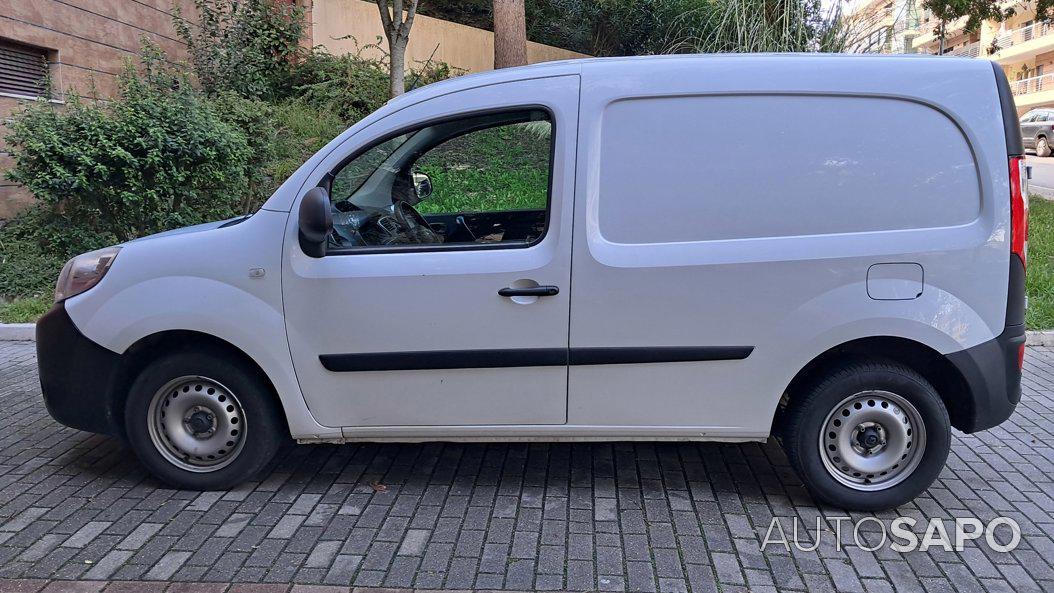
1021 45
883 26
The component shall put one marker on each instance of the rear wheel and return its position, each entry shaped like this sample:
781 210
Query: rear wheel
1042 147
869 436
200 422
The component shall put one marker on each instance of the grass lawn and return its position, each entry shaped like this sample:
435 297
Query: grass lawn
1040 275
26 310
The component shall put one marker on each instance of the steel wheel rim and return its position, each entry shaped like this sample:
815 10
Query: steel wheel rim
872 440
197 424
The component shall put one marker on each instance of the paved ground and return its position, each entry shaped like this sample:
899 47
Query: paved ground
1042 181
638 517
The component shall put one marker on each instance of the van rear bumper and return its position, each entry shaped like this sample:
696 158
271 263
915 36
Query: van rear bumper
992 377
76 375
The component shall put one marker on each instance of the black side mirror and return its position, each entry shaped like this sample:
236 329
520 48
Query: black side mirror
422 185
316 222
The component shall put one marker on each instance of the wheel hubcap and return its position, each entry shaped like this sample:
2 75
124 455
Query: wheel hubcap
197 424
872 440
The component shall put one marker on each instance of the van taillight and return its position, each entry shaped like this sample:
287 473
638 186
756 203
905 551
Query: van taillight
1018 208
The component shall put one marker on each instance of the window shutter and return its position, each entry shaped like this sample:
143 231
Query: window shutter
23 69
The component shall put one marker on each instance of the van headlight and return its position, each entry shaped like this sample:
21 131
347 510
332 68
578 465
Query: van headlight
83 272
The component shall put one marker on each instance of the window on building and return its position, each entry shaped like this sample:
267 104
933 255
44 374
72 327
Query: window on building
23 69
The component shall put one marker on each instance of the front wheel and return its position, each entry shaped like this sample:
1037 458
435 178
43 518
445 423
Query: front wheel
200 422
869 436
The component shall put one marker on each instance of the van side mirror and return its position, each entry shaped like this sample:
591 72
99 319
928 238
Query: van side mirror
422 185
316 222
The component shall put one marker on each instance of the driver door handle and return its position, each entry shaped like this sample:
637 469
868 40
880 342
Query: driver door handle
538 291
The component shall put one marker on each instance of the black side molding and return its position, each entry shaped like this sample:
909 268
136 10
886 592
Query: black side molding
583 356
444 359
525 357
1011 124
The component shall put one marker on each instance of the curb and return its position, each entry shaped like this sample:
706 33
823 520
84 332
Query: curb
18 332
26 332
1039 338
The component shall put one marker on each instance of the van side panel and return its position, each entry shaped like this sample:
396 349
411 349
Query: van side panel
762 193
725 172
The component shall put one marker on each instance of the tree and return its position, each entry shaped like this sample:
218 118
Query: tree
976 12
510 33
397 30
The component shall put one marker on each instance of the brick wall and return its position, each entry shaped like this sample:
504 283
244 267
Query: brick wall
87 42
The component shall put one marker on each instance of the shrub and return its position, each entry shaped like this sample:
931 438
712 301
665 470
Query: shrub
354 85
158 156
246 47
300 130
350 85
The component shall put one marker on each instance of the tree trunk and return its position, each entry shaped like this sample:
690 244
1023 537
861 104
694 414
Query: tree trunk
397 59
397 29
510 34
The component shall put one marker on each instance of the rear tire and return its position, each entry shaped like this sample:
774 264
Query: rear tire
1042 147
198 421
869 436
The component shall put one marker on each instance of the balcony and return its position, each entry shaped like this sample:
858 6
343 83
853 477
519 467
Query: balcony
1032 92
1035 84
1023 43
971 50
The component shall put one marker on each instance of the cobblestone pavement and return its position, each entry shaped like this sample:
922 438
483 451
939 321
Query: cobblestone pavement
640 517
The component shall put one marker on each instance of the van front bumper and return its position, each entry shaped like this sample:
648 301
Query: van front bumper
77 376
992 377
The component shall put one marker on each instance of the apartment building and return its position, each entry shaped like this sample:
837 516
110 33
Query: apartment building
883 26
1023 47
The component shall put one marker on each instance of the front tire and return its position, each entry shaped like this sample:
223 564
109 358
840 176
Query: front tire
869 436
198 421
1042 147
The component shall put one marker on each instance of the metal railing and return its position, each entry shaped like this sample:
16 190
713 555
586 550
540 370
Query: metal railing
971 50
1043 82
1016 36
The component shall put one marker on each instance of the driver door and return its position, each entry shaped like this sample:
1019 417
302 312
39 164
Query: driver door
401 327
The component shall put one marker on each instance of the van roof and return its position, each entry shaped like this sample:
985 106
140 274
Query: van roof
575 66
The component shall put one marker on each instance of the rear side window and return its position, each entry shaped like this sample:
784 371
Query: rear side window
703 168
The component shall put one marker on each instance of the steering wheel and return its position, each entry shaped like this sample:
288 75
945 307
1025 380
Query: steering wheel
414 225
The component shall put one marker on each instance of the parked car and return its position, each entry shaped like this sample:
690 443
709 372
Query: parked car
1037 130
582 251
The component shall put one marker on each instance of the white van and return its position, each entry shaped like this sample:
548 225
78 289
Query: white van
825 249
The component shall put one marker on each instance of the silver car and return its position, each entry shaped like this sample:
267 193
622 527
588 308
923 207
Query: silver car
1037 130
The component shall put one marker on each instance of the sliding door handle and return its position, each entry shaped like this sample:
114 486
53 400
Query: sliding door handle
536 291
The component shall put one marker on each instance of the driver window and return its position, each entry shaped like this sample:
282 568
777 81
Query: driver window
481 180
